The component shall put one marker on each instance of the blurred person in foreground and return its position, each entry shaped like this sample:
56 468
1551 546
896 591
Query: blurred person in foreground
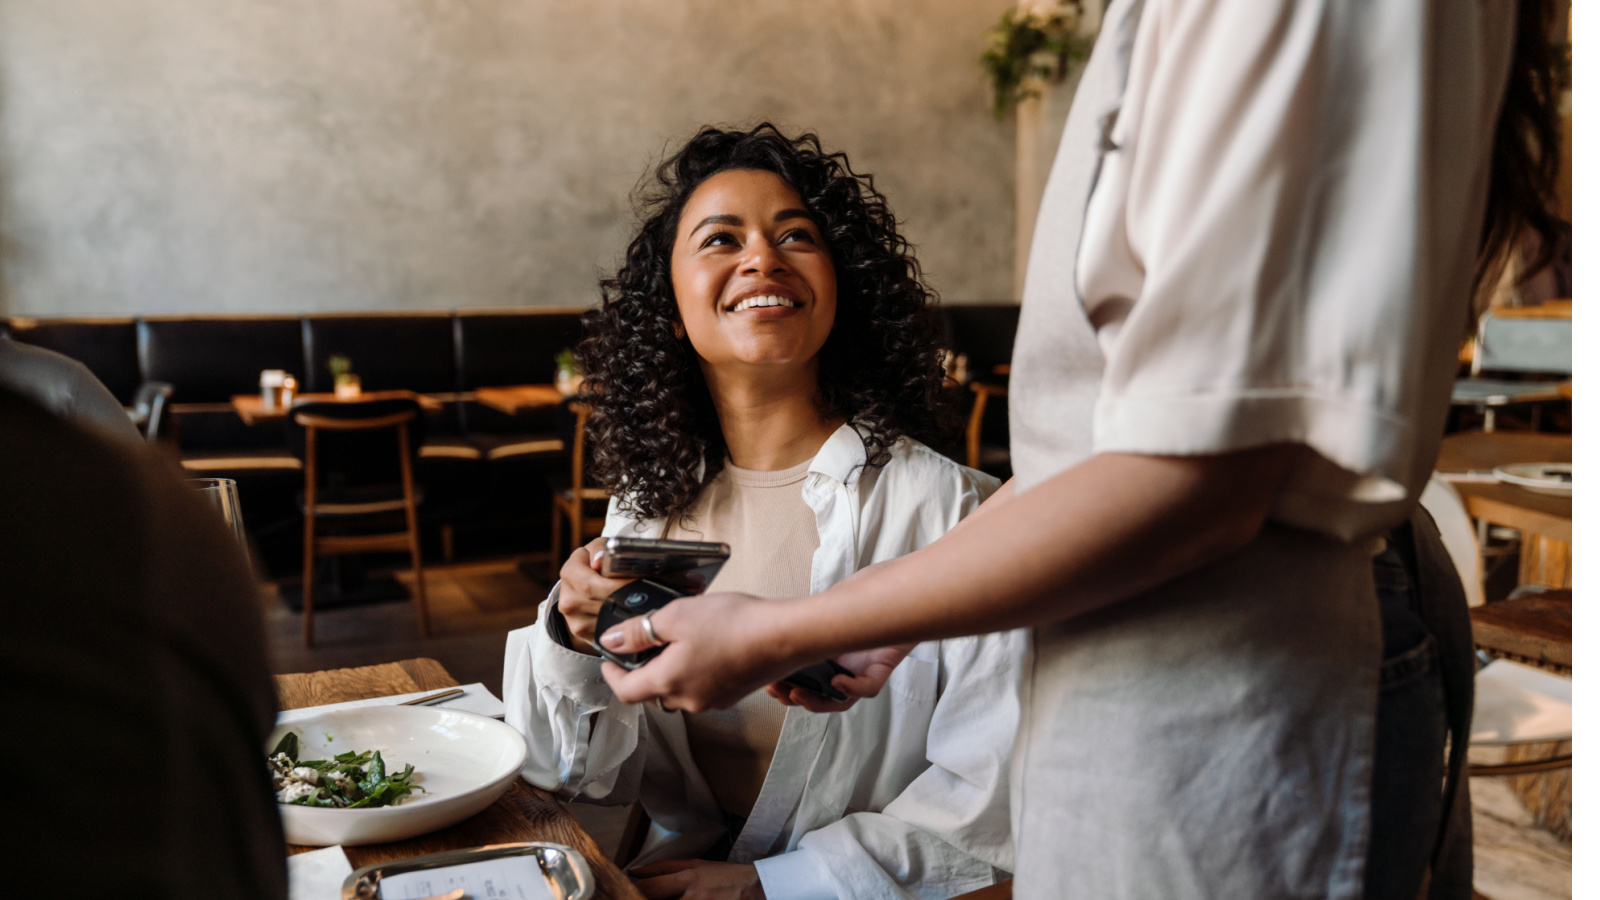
64 387
140 701
760 369
1254 259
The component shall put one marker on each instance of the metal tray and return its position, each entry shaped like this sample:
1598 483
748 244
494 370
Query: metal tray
565 871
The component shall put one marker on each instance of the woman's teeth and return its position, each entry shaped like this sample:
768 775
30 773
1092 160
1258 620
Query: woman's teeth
764 300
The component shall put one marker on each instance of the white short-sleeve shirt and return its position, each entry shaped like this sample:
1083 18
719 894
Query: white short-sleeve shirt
1260 228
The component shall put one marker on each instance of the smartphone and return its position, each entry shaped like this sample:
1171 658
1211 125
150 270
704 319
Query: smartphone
818 679
665 571
647 558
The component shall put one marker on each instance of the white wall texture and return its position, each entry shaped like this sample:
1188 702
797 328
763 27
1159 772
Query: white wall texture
189 156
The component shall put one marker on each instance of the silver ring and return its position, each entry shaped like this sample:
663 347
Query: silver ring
650 630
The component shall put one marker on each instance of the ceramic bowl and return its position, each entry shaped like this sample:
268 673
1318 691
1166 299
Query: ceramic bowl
463 761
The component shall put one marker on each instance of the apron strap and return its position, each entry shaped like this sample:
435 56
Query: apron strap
1442 605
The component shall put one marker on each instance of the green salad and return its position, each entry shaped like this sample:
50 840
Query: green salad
348 781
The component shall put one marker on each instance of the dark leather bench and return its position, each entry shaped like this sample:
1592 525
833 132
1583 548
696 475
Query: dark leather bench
447 354
108 346
208 361
496 348
984 332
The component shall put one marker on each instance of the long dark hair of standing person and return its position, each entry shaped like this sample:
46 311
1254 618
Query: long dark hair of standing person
1527 153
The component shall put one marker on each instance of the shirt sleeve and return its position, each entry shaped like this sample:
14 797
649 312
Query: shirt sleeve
949 831
1277 248
582 740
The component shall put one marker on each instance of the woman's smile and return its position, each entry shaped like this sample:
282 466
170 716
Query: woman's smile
765 301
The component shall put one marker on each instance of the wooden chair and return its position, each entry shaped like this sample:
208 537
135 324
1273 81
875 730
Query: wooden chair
152 403
1521 342
991 459
345 481
1544 559
1525 713
571 504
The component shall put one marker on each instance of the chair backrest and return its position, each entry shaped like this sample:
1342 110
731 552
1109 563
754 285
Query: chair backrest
150 405
1520 344
1444 504
580 446
356 443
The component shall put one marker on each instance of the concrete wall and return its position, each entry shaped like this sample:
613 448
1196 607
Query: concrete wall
169 156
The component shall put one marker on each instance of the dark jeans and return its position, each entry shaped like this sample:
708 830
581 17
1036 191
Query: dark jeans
1427 649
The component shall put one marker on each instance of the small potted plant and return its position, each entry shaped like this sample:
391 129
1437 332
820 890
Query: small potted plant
1030 49
569 379
346 384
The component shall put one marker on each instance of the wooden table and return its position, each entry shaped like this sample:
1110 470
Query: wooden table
524 813
1481 451
1536 628
1545 520
254 412
513 398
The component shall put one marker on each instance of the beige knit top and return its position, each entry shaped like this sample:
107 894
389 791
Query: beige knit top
773 533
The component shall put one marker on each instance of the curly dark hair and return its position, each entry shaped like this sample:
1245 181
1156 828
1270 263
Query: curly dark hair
653 422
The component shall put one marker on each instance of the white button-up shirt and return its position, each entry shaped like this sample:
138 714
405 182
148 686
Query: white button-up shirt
903 795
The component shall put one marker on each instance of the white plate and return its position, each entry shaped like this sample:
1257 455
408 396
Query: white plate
463 760
1541 478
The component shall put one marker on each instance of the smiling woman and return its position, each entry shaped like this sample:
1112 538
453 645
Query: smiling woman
735 216
760 370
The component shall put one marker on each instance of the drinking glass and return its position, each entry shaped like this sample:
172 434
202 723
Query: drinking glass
223 495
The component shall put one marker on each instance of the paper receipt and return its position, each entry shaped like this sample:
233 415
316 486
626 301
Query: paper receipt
508 878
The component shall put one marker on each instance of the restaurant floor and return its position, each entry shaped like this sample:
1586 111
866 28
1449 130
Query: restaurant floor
474 604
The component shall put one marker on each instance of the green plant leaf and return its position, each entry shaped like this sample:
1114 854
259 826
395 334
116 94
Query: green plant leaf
289 745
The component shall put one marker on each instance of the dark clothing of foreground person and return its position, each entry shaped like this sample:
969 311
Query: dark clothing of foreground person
64 387
140 699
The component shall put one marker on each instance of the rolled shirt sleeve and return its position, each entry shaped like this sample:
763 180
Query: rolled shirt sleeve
1279 244
582 740
796 875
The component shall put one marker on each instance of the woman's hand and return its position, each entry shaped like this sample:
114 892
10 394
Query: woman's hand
872 668
720 647
696 879
583 591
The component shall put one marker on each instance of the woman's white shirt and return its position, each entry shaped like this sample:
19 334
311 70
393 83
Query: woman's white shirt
903 795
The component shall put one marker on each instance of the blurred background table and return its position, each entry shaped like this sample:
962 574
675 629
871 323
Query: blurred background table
524 813
515 398
254 412
1467 461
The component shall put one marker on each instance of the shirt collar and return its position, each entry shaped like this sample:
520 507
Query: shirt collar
842 457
